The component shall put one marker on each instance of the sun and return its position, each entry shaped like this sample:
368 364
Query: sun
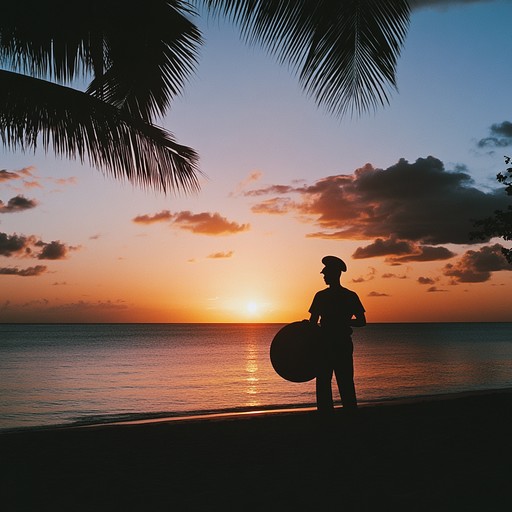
252 307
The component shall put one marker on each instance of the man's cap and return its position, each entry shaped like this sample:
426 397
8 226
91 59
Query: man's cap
333 263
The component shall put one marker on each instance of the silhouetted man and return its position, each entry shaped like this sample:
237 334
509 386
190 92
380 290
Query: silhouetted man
338 310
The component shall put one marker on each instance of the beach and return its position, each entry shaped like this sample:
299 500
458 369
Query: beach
440 453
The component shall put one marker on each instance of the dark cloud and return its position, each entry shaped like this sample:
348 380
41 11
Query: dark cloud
503 129
14 244
29 246
221 255
17 204
425 280
419 4
24 272
389 275
54 250
80 306
378 294
423 253
477 266
500 136
204 223
433 289
402 251
418 202
384 248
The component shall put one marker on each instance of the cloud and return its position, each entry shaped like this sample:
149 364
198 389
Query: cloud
477 266
274 206
368 277
383 248
272 189
417 202
31 180
8 175
66 181
163 216
425 280
253 177
402 251
17 204
389 275
24 272
29 246
208 223
26 175
378 294
421 4
16 175
221 255
32 184
435 289
14 244
500 136
204 223
423 253
54 250
100 305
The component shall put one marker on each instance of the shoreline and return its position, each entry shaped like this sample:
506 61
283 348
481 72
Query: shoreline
445 454
237 413
291 409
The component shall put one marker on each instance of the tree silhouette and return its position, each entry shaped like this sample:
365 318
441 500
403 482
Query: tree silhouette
499 225
89 80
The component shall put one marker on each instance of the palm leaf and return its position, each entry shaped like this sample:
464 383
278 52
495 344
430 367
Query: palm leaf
344 51
77 125
139 55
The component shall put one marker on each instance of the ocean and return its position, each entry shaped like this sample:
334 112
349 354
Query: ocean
75 374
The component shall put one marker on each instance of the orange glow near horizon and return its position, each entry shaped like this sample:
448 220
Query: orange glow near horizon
290 301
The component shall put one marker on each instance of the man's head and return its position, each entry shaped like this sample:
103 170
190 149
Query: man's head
333 267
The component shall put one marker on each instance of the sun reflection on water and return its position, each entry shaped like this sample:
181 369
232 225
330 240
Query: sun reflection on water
251 378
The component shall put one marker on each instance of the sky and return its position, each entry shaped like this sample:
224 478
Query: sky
392 192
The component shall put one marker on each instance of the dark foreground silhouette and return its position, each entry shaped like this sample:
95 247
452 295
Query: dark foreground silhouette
336 309
440 455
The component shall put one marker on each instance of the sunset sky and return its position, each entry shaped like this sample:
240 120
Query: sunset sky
391 192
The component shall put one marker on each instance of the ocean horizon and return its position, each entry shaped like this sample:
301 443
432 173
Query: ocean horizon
76 373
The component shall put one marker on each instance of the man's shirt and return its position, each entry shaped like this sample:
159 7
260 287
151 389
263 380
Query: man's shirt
336 307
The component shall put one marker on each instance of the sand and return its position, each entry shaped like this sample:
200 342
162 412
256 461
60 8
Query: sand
429 455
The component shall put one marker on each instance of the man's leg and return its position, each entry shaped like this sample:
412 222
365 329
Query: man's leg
344 371
324 390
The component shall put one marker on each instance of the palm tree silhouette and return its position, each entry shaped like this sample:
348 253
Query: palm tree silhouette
88 80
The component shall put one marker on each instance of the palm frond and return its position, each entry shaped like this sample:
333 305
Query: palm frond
139 55
79 126
151 52
48 39
344 51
